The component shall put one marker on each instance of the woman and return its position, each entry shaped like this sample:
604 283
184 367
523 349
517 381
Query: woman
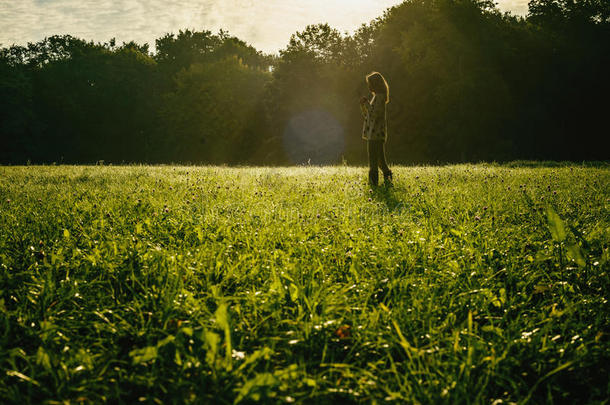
375 130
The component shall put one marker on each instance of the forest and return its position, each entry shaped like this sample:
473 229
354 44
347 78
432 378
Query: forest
468 83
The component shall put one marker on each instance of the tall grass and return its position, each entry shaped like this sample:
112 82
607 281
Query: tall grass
460 284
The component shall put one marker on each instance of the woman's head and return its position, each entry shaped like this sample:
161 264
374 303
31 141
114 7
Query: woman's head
378 85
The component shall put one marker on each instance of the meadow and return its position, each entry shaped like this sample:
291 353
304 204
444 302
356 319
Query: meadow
473 284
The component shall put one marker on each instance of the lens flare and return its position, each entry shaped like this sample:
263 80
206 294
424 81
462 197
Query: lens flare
314 137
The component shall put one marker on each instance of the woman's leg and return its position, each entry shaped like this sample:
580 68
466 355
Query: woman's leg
373 150
383 164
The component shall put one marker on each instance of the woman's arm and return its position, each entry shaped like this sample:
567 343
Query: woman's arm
365 106
378 109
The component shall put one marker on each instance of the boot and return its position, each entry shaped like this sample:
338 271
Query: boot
387 178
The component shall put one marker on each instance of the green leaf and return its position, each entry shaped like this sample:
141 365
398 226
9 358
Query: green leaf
294 292
43 359
555 225
222 320
165 341
187 331
264 353
574 252
492 329
66 233
21 376
255 387
143 355
212 341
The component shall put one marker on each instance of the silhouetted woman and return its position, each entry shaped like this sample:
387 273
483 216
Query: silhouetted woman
375 129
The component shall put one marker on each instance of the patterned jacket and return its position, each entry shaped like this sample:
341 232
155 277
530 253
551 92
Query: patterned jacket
375 123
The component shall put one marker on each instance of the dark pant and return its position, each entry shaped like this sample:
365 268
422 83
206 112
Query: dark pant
377 159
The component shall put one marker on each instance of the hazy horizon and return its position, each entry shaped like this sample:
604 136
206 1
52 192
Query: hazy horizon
266 26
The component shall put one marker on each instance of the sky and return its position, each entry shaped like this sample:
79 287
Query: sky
265 24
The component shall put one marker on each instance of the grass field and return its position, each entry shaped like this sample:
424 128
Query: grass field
461 284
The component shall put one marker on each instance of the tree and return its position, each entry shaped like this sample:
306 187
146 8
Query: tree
215 114
467 83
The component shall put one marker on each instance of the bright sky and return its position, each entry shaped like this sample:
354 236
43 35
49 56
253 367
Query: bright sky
266 24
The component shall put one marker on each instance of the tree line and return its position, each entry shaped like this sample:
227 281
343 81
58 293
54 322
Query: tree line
467 83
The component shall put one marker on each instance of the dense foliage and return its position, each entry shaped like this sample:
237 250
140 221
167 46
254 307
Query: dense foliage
465 284
467 83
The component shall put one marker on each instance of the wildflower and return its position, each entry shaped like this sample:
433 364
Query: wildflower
238 355
343 332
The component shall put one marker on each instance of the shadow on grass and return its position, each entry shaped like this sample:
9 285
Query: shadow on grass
389 196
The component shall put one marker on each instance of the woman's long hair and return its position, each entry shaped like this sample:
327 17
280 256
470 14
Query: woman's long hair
378 85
